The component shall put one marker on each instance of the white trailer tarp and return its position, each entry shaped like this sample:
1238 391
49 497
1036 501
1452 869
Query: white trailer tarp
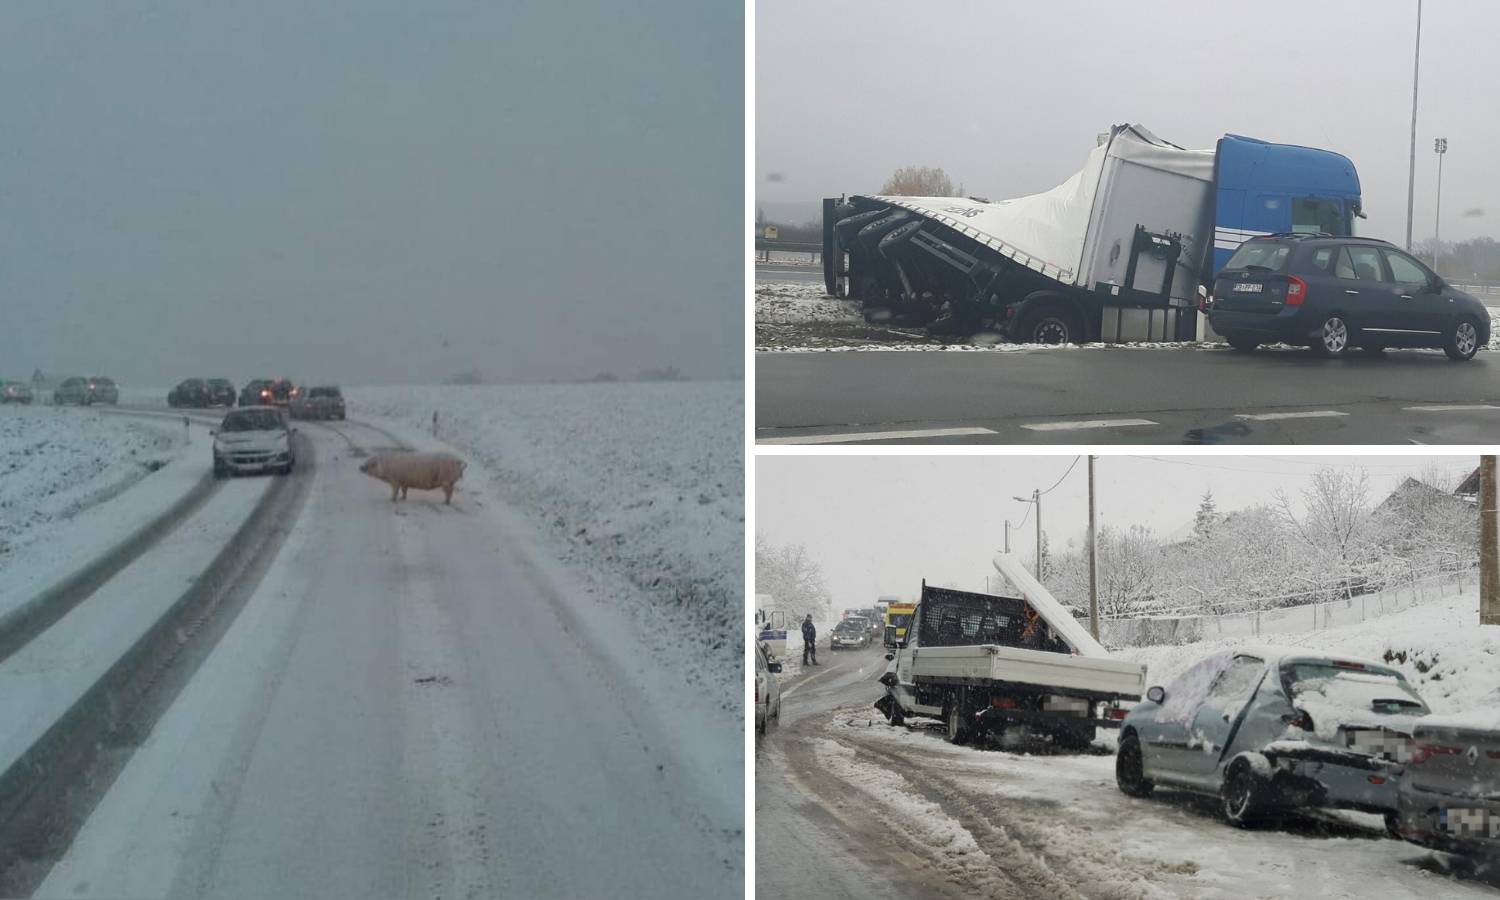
1070 233
1054 613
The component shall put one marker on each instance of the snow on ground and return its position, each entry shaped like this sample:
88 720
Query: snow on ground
56 463
1452 660
793 301
642 481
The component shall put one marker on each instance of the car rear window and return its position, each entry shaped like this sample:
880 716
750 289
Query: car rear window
1269 256
1357 689
323 392
252 420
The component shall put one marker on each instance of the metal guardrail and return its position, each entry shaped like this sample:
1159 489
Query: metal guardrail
1478 289
763 248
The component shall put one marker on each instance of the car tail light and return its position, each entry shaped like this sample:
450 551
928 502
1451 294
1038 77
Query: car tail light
1296 292
1376 779
1116 713
1344 664
1421 753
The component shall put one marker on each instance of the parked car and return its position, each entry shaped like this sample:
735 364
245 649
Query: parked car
15 392
851 633
1450 794
189 392
325 402
220 392
767 691
254 439
1270 730
104 390
1333 293
72 390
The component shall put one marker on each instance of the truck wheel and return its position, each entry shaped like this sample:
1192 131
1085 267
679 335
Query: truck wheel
1050 323
955 713
1129 769
1244 796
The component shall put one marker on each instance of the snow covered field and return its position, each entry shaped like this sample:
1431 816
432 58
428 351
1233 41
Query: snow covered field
57 463
640 482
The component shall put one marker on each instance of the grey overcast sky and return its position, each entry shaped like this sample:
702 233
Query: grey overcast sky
880 524
1007 97
371 191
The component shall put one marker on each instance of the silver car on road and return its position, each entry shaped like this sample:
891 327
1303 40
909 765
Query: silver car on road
1268 730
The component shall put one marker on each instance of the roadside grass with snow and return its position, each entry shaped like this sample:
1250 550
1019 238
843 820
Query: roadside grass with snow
643 482
55 463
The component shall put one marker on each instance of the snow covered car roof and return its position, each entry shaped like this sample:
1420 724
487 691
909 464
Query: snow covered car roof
1277 655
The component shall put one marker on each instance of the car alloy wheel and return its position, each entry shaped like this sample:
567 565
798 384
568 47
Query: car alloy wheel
1465 339
1335 339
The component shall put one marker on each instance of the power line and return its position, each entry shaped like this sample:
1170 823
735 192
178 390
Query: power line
1064 476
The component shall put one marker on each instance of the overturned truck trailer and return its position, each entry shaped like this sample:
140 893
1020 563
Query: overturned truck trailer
1117 252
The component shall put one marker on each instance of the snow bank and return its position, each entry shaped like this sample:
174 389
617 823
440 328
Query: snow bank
1451 660
56 463
642 481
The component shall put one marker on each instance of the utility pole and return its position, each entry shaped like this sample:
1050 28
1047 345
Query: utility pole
1007 535
1036 497
1439 146
1489 558
1093 559
1411 176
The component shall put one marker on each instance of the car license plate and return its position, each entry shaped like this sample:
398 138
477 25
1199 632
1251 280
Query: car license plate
1381 744
1469 822
1248 287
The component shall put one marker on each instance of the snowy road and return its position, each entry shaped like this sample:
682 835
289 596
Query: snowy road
848 807
417 701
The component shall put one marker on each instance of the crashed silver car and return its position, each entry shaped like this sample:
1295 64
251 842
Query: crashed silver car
1269 730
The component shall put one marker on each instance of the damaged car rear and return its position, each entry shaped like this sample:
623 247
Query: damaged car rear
1450 794
1269 731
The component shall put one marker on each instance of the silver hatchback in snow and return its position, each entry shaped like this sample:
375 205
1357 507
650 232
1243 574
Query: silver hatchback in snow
1270 730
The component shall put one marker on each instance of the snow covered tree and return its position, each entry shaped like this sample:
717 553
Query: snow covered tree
918 181
793 579
1207 518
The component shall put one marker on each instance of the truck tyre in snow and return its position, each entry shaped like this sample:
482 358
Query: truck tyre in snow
1129 770
1242 343
956 717
1244 796
1050 323
1332 338
1463 342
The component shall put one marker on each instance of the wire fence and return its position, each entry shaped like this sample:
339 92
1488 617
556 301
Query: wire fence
1145 630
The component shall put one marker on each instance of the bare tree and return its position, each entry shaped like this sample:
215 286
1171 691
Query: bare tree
793 579
918 181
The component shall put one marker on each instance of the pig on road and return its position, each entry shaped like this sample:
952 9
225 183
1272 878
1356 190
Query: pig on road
423 471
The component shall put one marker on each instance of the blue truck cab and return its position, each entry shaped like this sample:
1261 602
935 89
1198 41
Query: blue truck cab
1265 188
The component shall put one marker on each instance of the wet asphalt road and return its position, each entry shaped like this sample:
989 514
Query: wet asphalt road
1133 396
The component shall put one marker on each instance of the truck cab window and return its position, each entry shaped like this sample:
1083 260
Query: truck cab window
1313 215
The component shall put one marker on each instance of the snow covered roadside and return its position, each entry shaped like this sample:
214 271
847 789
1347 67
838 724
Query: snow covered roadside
131 470
1452 660
57 463
641 483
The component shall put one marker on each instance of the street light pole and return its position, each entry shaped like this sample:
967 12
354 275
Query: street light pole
1411 176
1439 146
1036 498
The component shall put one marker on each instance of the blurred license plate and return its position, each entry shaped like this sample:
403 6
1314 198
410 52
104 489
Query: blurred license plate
1383 744
1469 822
1249 287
